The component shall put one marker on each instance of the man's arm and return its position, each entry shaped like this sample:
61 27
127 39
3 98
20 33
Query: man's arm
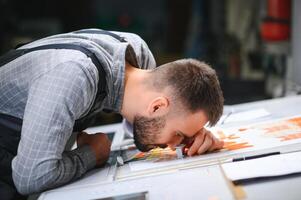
55 100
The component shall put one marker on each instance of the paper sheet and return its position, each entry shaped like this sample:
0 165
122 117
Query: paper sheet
253 139
270 166
246 115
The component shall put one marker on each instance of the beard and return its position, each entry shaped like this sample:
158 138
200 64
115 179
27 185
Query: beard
146 131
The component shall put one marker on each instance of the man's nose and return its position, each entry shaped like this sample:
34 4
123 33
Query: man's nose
172 146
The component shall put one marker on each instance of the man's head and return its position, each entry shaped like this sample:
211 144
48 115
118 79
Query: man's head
185 96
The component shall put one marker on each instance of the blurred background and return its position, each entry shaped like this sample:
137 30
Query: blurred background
252 44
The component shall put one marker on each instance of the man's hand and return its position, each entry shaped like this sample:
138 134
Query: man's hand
204 141
100 144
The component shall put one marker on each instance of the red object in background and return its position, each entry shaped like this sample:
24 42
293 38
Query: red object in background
125 20
273 31
279 9
276 26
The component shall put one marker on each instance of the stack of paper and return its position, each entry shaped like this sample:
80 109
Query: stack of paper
277 165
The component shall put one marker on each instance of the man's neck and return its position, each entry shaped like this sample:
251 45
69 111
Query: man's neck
135 85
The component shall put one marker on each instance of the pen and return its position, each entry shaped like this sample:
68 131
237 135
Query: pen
226 117
255 156
179 151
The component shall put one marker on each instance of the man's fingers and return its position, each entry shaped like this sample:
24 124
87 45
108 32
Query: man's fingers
220 144
81 139
206 144
203 142
213 145
198 141
216 144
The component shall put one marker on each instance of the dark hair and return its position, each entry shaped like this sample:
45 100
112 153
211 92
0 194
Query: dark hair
195 84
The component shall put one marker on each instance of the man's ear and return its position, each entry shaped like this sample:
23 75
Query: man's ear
158 107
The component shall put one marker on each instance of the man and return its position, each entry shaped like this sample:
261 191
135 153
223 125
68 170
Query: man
54 86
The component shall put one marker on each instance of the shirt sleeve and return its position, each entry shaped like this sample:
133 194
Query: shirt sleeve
55 100
147 59
144 55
